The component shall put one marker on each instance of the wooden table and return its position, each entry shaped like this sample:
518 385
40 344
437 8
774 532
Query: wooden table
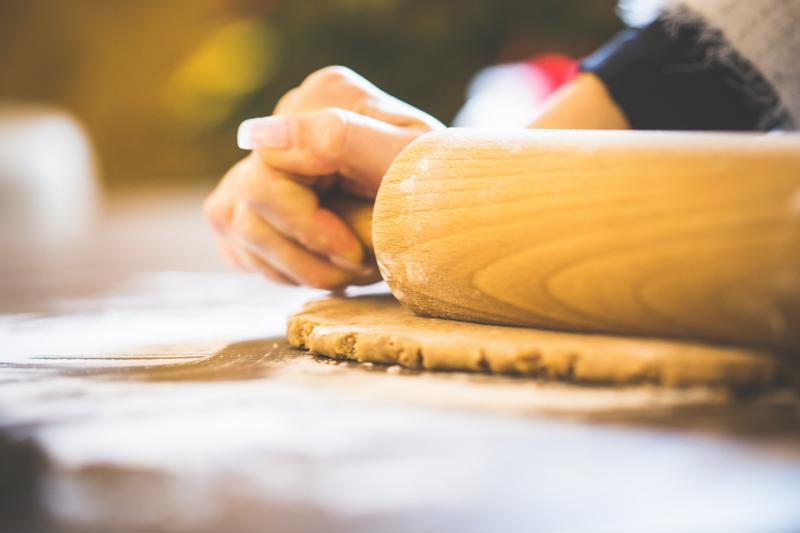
140 399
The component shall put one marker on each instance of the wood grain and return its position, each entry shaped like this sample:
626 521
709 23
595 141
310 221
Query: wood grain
650 233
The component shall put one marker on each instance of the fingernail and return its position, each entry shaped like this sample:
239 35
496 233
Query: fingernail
265 132
350 266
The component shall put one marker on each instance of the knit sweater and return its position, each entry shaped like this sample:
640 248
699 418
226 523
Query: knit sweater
757 40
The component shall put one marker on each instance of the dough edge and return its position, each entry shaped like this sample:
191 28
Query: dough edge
378 329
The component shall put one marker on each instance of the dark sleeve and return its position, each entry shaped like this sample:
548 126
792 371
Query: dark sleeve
661 78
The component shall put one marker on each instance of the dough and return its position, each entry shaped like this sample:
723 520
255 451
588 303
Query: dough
378 329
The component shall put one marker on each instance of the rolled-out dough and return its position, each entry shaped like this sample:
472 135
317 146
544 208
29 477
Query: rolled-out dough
378 329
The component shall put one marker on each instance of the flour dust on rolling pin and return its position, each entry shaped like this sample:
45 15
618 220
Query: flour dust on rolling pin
693 235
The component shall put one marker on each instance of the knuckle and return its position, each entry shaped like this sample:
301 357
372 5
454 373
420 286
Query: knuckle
329 75
252 184
210 208
330 129
244 223
284 100
262 188
215 212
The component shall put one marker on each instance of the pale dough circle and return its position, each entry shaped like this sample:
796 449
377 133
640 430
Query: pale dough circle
378 329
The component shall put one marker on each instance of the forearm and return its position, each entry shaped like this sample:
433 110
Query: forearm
697 66
583 103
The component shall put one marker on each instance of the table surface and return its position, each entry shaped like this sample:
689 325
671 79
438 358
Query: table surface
142 399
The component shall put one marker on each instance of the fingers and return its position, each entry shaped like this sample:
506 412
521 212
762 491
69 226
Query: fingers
271 224
218 206
373 276
337 86
229 254
332 140
268 251
243 261
289 207
332 86
335 128
251 263
293 209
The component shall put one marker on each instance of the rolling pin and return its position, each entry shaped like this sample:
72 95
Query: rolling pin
692 235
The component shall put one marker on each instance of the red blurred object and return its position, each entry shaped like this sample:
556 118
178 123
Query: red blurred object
553 69
512 94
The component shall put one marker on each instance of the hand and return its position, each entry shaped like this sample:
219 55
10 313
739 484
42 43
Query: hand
335 130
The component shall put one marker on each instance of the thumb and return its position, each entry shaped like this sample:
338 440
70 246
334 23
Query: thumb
331 140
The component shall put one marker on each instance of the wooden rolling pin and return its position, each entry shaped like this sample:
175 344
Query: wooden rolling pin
648 233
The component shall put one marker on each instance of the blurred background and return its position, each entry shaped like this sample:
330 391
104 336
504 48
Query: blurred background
118 115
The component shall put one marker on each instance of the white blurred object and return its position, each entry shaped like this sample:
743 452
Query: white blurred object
502 96
511 95
49 190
